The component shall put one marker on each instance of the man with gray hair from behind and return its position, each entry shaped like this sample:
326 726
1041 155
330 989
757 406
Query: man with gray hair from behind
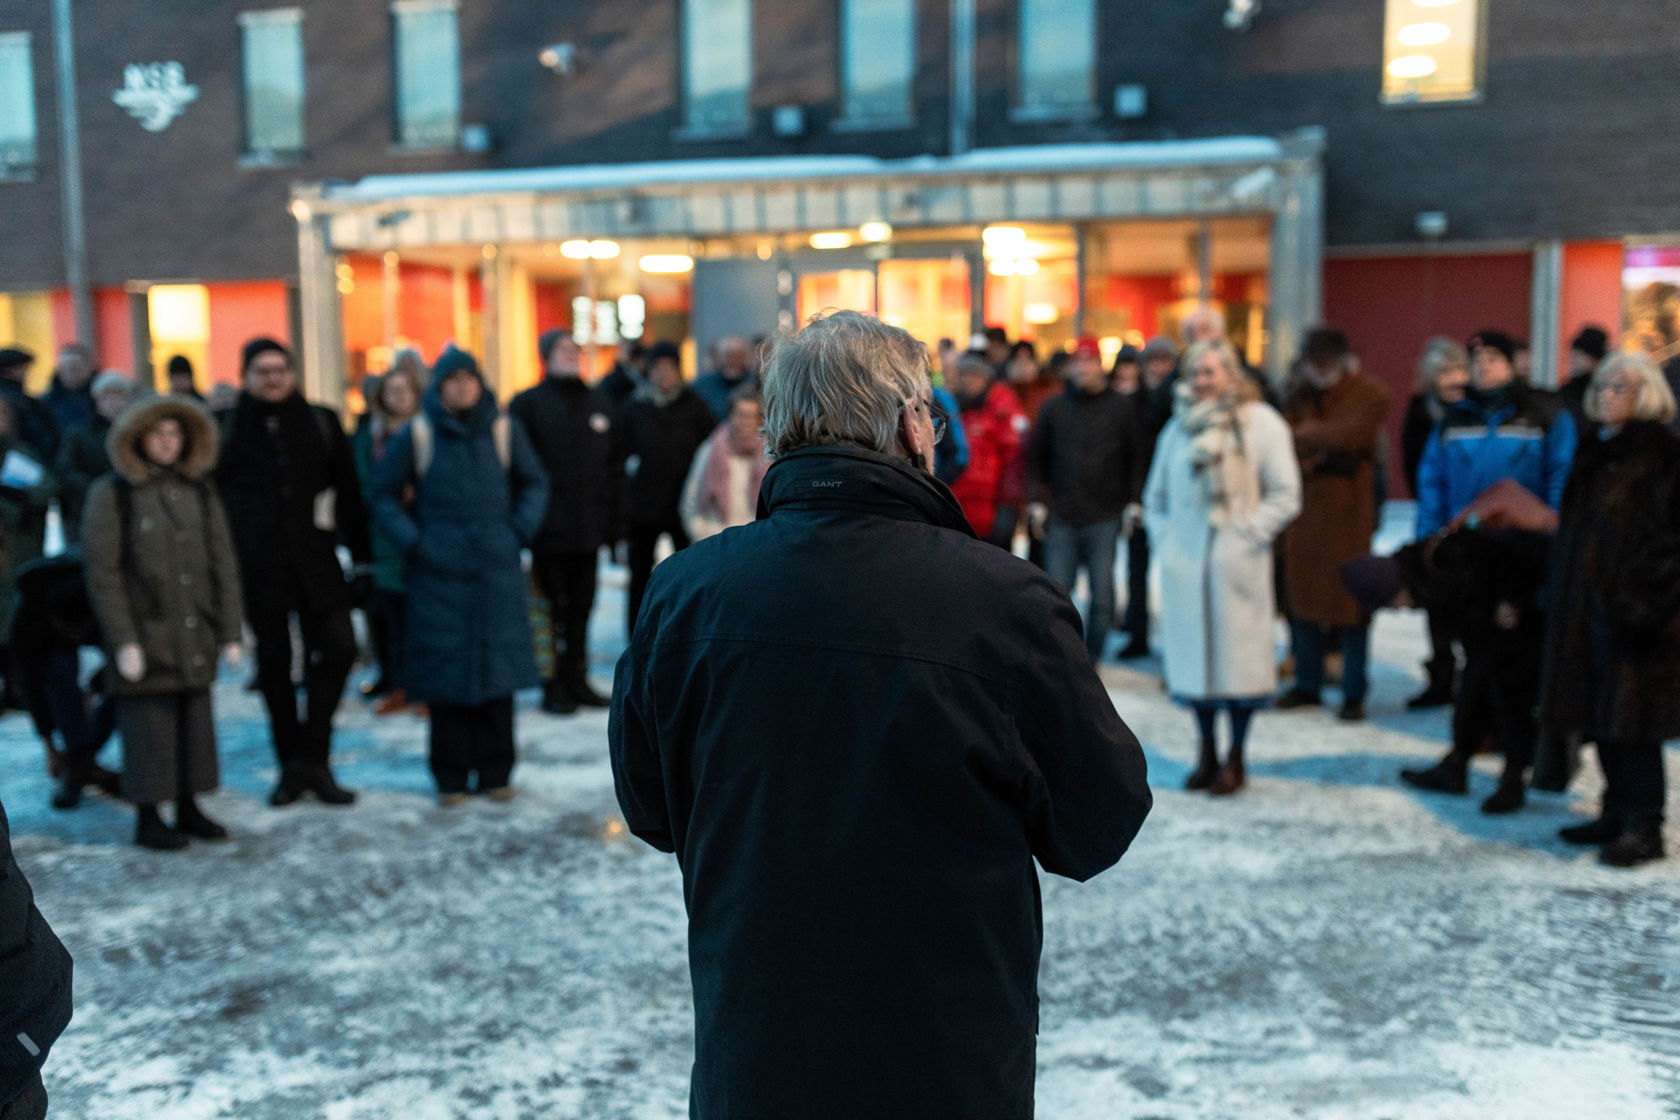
856 725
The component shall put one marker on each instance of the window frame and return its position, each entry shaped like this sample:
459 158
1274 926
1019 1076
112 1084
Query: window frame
1021 113
396 10
846 121
249 155
686 128
1478 68
25 172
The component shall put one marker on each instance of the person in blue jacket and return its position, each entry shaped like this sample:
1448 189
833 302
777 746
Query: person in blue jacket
479 494
1501 429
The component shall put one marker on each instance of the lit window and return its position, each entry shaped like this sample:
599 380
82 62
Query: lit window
17 105
878 59
717 64
427 48
1057 56
1431 51
273 43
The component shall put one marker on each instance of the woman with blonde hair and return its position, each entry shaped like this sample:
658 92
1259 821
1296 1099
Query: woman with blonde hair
1612 666
1224 484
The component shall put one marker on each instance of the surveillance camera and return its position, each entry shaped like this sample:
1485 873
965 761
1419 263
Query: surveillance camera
560 58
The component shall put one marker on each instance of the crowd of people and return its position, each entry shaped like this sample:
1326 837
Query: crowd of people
1252 501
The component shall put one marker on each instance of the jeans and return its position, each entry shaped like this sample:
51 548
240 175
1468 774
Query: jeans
329 646
1067 548
1308 641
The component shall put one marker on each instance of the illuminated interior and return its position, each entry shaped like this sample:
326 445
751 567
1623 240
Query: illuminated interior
1431 50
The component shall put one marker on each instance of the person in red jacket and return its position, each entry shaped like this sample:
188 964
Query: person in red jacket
995 426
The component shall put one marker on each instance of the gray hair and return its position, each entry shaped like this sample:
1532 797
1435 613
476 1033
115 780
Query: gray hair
844 378
1439 355
1654 399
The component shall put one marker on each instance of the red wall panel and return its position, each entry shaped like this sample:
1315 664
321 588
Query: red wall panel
113 341
1391 306
239 313
1592 292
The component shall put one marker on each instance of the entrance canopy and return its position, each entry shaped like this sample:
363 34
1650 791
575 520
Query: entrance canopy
696 200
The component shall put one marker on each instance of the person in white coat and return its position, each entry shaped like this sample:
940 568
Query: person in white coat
1224 483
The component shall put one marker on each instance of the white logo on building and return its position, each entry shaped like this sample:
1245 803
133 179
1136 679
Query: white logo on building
155 94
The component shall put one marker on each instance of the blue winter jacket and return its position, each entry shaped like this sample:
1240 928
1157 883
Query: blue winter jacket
950 456
469 623
1524 435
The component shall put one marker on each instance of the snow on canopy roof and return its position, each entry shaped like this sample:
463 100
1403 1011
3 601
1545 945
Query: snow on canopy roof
1034 159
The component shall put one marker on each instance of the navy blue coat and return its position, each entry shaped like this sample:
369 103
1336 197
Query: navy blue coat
469 622
856 726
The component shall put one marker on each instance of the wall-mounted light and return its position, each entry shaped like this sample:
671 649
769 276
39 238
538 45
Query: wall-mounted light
838 239
875 231
603 250
666 263
1000 236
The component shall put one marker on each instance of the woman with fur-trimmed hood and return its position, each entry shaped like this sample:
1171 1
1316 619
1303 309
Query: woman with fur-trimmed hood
164 580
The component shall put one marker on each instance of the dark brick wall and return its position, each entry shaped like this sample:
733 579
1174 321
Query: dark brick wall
1575 136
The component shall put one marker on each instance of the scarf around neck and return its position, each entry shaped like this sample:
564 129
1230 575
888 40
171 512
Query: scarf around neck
1217 458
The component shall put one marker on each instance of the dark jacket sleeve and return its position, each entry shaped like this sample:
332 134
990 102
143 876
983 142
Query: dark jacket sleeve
638 778
35 975
390 477
351 508
1039 451
1087 790
530 485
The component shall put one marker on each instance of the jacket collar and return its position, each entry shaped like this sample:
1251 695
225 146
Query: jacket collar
843 476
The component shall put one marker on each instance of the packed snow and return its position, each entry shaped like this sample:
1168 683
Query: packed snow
1328 945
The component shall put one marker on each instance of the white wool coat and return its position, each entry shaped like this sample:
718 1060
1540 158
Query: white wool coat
1219 610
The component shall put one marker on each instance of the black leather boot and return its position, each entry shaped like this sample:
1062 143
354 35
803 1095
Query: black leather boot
1640 842
1450 775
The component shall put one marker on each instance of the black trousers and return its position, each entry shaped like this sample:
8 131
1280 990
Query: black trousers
1442 665
388 624
1137 585
643 539
469 739
567 580
329 651
84 732
1498 695
1634 781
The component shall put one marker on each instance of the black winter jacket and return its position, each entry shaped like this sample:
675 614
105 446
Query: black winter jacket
661 440
1613 628
1087 456
82 457
576 434
276 463
34 975
856 726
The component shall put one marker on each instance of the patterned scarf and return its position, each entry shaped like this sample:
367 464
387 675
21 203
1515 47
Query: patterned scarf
1216 448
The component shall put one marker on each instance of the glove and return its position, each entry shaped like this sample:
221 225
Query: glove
233 653
1131 520
1038 515
131 662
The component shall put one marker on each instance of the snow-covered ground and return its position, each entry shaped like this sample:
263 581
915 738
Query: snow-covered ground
1327 945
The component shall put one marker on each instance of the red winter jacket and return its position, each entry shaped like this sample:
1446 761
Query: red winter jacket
995 431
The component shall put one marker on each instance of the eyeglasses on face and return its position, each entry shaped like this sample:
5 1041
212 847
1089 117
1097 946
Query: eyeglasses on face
937 415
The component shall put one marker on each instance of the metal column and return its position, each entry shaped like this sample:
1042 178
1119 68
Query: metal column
321 349
1296 278
1546 312
70 175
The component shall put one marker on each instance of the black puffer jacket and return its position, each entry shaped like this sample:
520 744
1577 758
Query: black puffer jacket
1087 456
577 436
661 440
34 975
856 726
277 461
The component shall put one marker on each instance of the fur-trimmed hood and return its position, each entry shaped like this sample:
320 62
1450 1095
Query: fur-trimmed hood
198 457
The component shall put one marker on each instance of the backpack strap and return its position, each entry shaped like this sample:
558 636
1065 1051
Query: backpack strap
123 490
420 431
502 432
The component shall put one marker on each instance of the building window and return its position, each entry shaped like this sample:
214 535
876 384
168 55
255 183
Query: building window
1058 51
427 49
17 106
273 43
717 65
1432 51
877 60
